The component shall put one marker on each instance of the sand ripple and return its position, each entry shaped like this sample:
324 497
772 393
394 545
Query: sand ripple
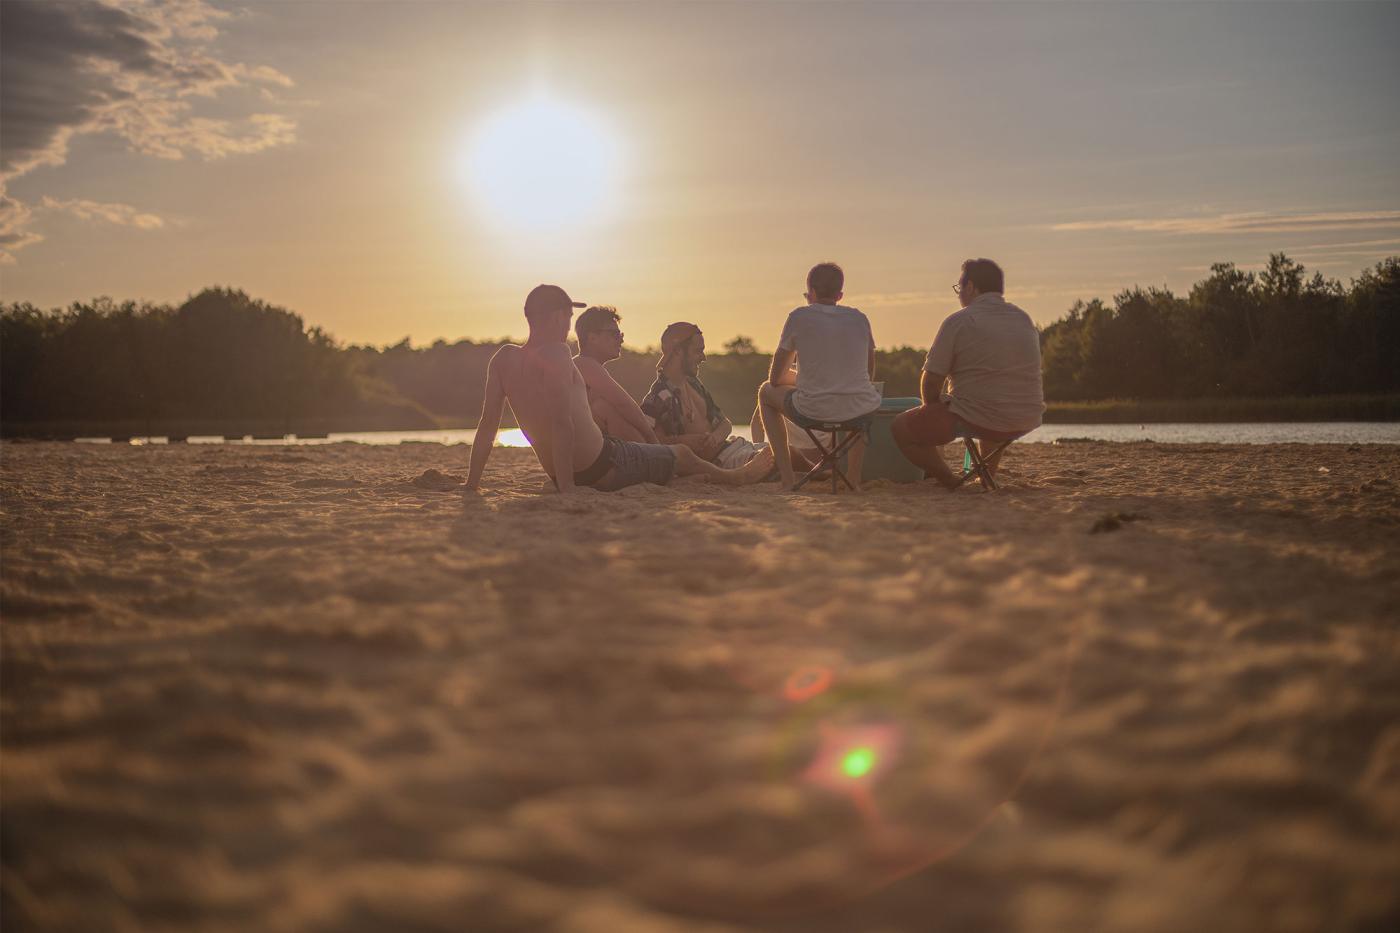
244 689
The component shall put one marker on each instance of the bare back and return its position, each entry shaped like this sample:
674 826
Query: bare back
538 381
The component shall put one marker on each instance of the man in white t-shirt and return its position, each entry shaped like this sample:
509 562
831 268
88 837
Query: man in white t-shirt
990 350
835 352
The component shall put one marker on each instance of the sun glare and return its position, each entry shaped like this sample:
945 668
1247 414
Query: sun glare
542 164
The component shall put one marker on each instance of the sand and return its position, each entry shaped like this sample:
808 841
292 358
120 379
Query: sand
315 689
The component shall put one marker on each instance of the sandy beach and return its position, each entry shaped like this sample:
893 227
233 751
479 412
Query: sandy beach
1141 688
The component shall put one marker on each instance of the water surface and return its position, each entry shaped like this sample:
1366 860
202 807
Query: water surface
1306 432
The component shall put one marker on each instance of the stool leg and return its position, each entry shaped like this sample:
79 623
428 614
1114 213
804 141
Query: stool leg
984 473
835 460
978 468
821 458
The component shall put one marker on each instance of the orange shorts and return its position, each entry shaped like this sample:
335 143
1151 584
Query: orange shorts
936 424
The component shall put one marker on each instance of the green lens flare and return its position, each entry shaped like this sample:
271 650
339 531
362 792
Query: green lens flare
858 762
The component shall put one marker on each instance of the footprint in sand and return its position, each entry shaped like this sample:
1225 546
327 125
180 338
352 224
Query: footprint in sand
441 482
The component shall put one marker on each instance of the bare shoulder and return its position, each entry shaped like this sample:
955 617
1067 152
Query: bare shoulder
551 361
505 354
555 356
504 361
589 368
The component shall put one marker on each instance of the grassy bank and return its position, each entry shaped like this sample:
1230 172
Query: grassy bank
1226 410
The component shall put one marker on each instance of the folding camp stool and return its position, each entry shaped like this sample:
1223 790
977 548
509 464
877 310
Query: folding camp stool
830 457
975 463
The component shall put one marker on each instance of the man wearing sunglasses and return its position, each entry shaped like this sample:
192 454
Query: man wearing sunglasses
599 343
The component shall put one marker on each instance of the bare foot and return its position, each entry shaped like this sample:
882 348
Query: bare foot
752 472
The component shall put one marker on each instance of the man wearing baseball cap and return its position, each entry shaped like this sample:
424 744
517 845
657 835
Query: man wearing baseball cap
550 400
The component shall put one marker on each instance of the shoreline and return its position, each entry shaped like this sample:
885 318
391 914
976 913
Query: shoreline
1316 410
1259 434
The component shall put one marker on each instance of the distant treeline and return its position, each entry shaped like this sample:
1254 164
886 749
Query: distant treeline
221 359
1237 334
1270 342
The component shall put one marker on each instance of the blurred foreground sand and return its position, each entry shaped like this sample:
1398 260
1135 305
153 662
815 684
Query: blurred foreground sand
287 689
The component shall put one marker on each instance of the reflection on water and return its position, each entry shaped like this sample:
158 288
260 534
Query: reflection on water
1321 432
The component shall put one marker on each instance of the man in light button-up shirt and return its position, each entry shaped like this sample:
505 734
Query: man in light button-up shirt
990 350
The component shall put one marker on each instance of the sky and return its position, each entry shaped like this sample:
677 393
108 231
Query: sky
353 161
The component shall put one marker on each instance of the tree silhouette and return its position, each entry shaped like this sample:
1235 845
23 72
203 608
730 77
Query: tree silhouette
223 355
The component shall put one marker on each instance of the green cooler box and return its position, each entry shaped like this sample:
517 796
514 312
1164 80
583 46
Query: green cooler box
882 458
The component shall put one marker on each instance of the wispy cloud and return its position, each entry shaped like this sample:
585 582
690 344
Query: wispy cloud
905 299
1260 222
14 235
123 215
1359 246
135 69
947 300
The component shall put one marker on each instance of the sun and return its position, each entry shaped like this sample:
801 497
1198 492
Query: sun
540 164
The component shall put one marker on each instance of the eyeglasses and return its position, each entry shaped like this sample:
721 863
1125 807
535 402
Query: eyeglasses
957 289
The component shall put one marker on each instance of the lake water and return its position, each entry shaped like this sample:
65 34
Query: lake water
1322 432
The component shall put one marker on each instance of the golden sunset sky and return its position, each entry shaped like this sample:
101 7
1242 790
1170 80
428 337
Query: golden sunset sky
359 162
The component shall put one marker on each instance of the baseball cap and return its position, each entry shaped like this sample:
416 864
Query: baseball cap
550 298
676 334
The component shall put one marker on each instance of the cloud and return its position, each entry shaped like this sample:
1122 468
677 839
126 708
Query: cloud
135 69
1360 246
1244 223
905 299
14 218
946 301
123 215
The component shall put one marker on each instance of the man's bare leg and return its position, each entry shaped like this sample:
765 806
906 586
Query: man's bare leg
688 463
994 459
756 425
921 454
800 461
855 461
770 404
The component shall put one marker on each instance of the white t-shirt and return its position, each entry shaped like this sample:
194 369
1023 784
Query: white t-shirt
991 350
833 345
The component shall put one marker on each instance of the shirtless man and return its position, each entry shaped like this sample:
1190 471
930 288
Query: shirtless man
550 400
599 343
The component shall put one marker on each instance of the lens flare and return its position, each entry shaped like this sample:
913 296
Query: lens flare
806 682
858 762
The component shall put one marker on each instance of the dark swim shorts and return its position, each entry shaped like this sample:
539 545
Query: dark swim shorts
629 463
803 421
